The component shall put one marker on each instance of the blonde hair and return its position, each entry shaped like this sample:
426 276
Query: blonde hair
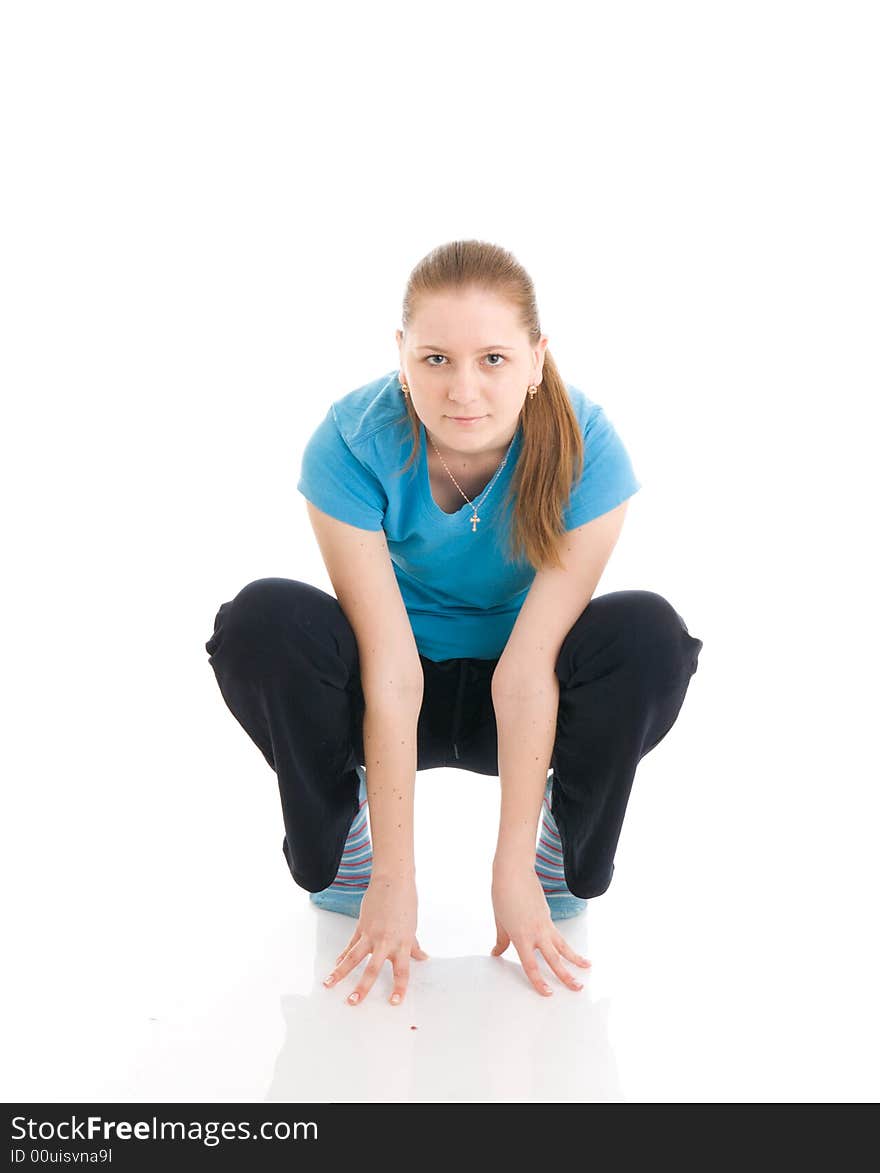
552 453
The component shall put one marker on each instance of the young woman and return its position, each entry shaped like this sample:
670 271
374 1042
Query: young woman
464 631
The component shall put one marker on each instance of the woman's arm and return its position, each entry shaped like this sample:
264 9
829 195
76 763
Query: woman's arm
526 721
525 688
390 752
359 566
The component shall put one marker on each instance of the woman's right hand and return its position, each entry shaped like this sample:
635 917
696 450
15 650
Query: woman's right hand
387 929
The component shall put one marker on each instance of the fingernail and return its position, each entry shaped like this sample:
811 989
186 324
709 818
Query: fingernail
578 985
329 979
546 989
353 997
395 997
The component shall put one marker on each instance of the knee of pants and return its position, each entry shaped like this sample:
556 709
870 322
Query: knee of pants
252 619
590 883
658 637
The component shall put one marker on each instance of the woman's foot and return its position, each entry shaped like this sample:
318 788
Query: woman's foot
347 890
550 868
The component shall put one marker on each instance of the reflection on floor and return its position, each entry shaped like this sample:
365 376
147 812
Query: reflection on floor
197 976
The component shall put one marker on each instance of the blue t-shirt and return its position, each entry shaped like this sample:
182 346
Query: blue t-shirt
461 595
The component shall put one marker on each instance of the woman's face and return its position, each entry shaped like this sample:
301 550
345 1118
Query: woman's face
466 355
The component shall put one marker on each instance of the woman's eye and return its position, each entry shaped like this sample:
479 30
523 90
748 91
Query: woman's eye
493 364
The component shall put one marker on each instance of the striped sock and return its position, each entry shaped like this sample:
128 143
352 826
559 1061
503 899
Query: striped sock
550 868
347 890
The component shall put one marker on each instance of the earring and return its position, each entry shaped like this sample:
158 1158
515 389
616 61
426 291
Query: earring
404 388
533 390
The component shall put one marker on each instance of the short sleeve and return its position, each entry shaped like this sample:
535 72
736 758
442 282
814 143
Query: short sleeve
337 483
607 479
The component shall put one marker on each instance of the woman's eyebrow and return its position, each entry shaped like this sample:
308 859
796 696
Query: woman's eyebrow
482 348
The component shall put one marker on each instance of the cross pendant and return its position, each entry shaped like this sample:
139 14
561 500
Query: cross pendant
474 521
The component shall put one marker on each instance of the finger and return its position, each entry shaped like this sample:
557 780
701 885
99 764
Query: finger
351 959
368 977
347 947
566 950
418 952
553 959
345 962
503 940
526 951
400 967
354 938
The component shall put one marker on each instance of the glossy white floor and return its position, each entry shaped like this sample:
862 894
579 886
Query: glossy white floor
179 962
689 187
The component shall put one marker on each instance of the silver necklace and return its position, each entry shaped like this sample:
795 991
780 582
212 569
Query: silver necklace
475 519
533 390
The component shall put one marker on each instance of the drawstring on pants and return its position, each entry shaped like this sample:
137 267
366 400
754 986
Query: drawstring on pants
456 718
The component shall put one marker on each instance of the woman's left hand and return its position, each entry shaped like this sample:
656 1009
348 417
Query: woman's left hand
522 916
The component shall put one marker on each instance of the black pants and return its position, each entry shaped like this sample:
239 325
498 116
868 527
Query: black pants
286 660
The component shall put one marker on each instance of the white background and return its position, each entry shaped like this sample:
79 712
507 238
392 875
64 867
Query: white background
209 215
